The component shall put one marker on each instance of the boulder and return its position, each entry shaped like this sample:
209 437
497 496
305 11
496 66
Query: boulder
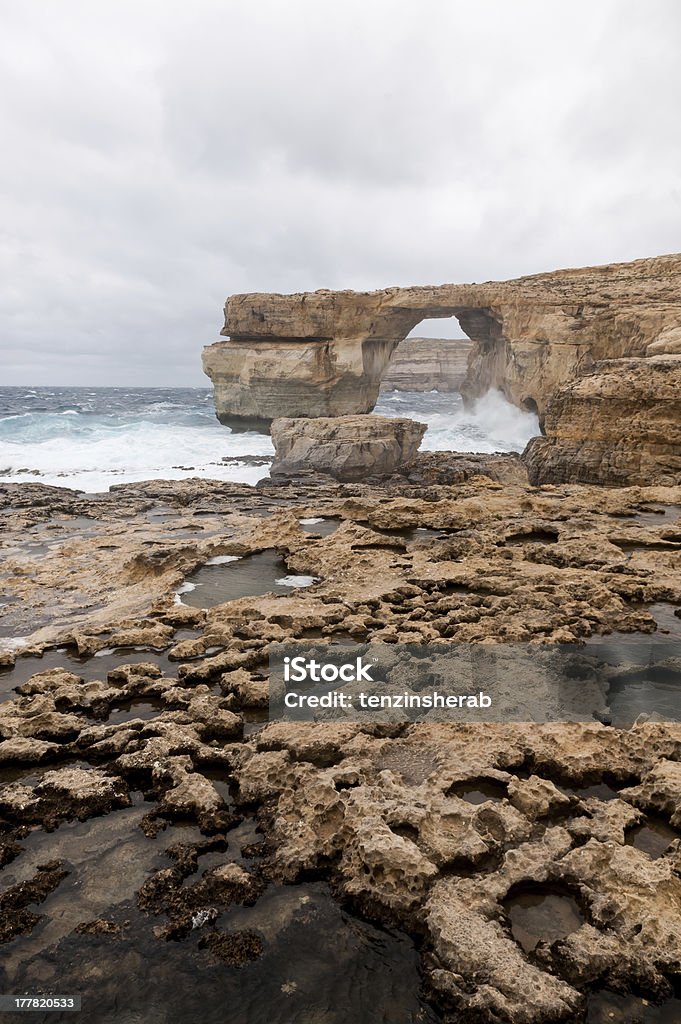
345 447
619 425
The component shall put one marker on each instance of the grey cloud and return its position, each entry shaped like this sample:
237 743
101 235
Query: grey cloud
158 156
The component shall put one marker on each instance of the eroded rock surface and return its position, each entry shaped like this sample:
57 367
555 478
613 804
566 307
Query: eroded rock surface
216 808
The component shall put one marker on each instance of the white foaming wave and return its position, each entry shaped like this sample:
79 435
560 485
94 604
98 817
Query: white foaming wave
501 419
493 425
129 452
158 406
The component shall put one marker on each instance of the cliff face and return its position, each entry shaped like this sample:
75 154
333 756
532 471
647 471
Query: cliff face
324 353
428 364
620 424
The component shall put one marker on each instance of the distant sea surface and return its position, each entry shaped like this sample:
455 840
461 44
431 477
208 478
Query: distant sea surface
91 438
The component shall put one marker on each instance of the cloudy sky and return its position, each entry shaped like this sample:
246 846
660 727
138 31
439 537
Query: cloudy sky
158 156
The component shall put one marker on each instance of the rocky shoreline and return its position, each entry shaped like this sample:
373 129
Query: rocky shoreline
136 714
595 352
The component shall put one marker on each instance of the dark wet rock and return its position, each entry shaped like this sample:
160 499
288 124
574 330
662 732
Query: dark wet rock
15 916
234 948
191 907
22 750
64 793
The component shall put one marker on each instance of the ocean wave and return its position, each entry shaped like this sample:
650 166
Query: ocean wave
123 451
492 425
120 435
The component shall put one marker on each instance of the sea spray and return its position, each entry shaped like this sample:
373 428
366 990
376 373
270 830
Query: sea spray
493 425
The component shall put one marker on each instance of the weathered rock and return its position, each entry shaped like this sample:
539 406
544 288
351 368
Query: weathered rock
536 797
660 791
636 897
64 793
371 808
605 821
380 865
323 353
486 974
429 468
193 795
346 447
22 750
428 364
619 424
484 559
19 802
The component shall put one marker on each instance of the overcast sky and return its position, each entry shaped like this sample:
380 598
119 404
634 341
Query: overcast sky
158 156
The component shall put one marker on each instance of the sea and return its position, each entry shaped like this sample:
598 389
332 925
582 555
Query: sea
88 438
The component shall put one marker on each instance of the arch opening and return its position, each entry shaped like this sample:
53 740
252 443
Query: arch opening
432 357
430 374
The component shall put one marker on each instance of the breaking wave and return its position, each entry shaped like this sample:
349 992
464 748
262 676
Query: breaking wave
493 425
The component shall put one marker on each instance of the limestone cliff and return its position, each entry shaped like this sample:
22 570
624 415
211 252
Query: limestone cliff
428 364
619 424
324 353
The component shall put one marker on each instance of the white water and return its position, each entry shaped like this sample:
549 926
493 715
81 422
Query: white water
296 581
89 439
142 454
493 425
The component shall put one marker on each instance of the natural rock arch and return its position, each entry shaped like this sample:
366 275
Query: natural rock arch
323 353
